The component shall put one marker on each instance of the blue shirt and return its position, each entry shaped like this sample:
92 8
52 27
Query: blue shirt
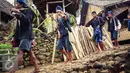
64 26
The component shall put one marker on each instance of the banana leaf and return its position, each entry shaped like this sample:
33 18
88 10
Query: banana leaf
50 25
72 20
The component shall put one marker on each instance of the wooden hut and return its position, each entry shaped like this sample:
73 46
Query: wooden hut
70 6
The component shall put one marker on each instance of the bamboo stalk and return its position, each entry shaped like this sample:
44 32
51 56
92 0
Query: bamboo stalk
54 50
81 53
73 43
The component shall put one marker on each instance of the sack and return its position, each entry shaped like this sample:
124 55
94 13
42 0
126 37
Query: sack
71 18
119 24
97 31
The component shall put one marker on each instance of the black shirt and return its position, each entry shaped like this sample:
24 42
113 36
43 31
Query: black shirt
24 29
111 24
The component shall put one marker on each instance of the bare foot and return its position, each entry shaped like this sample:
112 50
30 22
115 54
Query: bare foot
12 71
36 71
66 61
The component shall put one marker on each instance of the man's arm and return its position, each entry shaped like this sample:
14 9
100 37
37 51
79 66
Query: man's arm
27 16
88 24
68 25
101 21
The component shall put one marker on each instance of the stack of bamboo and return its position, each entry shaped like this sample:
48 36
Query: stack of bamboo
82 44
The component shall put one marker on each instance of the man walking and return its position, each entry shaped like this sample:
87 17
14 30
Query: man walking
113 28
24 34
63 38
97 23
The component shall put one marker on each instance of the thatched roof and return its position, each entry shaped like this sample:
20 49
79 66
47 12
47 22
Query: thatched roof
105 3
5 6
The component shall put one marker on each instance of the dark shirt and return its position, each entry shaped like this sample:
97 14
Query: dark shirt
64 26
98 21
111 24
24 28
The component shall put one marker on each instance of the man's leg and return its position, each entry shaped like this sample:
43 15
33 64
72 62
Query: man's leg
34 61
97 43
65 53
116 44
101 46
68 47
70 56
18 61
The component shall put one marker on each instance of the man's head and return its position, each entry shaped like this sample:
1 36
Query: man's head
128 16
110 14
59 9
21 4
94 14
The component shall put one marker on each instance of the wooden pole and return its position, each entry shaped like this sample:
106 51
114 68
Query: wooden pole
47 10
54 50
63 5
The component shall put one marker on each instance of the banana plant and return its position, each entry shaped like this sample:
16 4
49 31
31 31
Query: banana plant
51 24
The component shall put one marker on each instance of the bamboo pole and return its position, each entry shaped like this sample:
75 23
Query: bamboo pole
78 42
73 43
54 50
84 40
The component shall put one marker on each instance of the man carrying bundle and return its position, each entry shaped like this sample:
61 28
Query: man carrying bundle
63 36
113 28
97 23
24 34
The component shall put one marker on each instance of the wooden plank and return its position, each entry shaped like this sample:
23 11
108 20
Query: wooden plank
90 31
84 40
73 43
81 49
78 45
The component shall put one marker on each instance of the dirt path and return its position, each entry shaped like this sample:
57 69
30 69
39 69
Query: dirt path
77 64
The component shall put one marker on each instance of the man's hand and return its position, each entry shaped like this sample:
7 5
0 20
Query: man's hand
59 36
15 10
117 28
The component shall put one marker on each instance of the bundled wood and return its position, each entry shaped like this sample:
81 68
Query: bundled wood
81 42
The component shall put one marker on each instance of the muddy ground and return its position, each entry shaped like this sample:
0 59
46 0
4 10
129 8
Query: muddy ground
111 61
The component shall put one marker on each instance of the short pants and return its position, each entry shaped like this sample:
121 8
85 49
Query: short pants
97 35
114 35
64 42
25 45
